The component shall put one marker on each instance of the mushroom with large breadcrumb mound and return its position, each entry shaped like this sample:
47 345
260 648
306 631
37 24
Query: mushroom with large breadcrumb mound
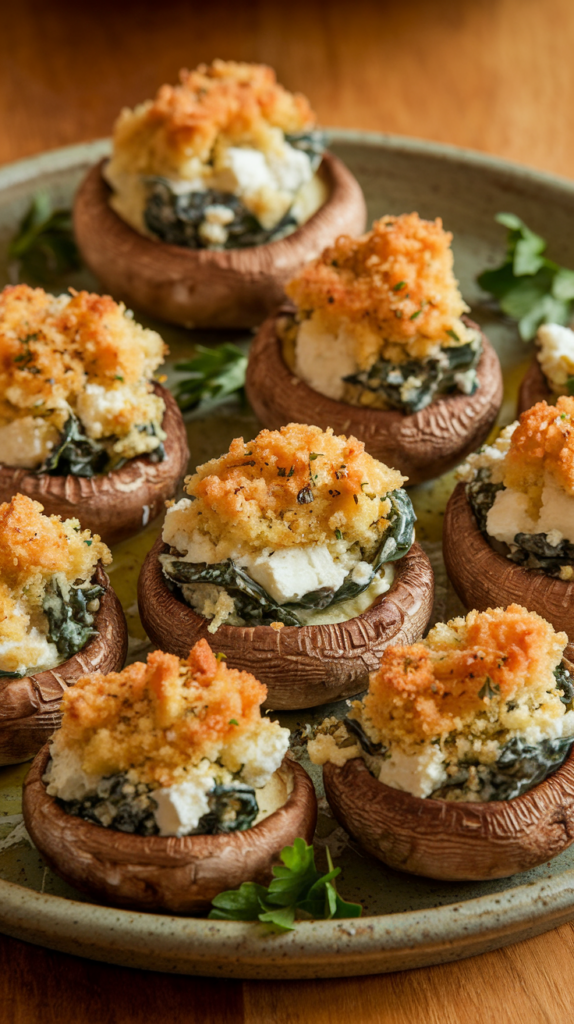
59 618
83 426
165 785
296 551
509 524
458 764
378 343
216 192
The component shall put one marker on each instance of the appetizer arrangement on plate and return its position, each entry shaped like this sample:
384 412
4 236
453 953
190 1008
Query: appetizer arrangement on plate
378 344
551 372
83 427
458 763
217 191
296 551
59 619
509 525
165 786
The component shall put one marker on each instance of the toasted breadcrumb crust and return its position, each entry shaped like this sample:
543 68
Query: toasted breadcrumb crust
463 669
393 288
33 549
52 348
242 102
162 717
289 487
543 439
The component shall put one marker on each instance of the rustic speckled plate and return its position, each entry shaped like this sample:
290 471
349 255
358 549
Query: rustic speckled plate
408 922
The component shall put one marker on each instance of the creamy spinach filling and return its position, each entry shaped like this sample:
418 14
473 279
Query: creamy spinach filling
125 806
79 455
414 384
530 550
71 616
180 218
256 607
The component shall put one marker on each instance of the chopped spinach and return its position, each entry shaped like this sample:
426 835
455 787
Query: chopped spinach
564 682
257 607
117 804
10 675
312 143
519 767
76 453
368 746
177 218
429 377
530 550
158 453
71 624
231 809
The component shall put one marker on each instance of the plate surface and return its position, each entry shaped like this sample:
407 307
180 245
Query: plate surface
408 922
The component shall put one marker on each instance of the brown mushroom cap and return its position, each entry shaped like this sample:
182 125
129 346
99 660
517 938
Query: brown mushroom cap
534 388
483 578
180 876
301 666
422 445
114 505
203 287
450 840
30 706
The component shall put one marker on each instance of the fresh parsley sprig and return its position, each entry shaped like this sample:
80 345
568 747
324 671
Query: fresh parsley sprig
296 891
529 287
43 248
214 374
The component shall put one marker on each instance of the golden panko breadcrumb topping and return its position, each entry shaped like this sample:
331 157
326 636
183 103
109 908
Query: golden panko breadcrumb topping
298 485
543 440
161 717
242 102
438 685
34 548
393 287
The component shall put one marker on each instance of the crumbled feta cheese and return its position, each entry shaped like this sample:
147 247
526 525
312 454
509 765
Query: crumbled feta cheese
27 442
324 748
180 807
218 214
213 234
96 405
256 755
557 511
509 516
65 776
323 359
291 169
290 573
490 456
362 573
555 354
419 774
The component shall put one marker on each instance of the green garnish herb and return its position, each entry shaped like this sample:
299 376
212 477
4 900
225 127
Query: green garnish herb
291 472
43 248
397 287
233 721
221 656
529 287
452 334
281 471
413 316
296 891
338 535
489 689
315 455
119 377
213 375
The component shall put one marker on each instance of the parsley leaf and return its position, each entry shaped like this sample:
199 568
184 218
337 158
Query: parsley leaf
529 287
488 689
43 249
297 889
214 374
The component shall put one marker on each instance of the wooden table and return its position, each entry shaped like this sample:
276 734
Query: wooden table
496 75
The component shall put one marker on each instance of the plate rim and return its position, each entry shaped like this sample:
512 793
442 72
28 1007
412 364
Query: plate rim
376 944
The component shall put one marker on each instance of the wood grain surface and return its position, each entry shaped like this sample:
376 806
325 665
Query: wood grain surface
495 75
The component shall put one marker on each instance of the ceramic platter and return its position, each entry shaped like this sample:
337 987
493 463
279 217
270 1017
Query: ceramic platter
408 921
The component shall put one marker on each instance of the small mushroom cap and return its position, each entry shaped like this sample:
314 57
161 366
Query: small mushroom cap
533 388
204 287
180 876
301 666
422 445
485 579
114 505
30 707
449 840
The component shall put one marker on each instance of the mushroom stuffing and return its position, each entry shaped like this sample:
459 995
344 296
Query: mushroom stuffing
225 159
47 595
379 319
521 489
482 710
173 747
75 380
297 527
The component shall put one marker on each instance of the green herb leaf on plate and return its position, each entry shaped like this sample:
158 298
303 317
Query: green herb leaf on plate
43 249
213 375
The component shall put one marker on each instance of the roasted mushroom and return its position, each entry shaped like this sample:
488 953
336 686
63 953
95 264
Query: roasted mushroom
533 388
30 705
552 370
295 551
462 766
378 343
83 427
165 785
421 445
220 191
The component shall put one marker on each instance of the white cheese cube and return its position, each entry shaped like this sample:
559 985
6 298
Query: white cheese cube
419 774
180 807
290 573
508 516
